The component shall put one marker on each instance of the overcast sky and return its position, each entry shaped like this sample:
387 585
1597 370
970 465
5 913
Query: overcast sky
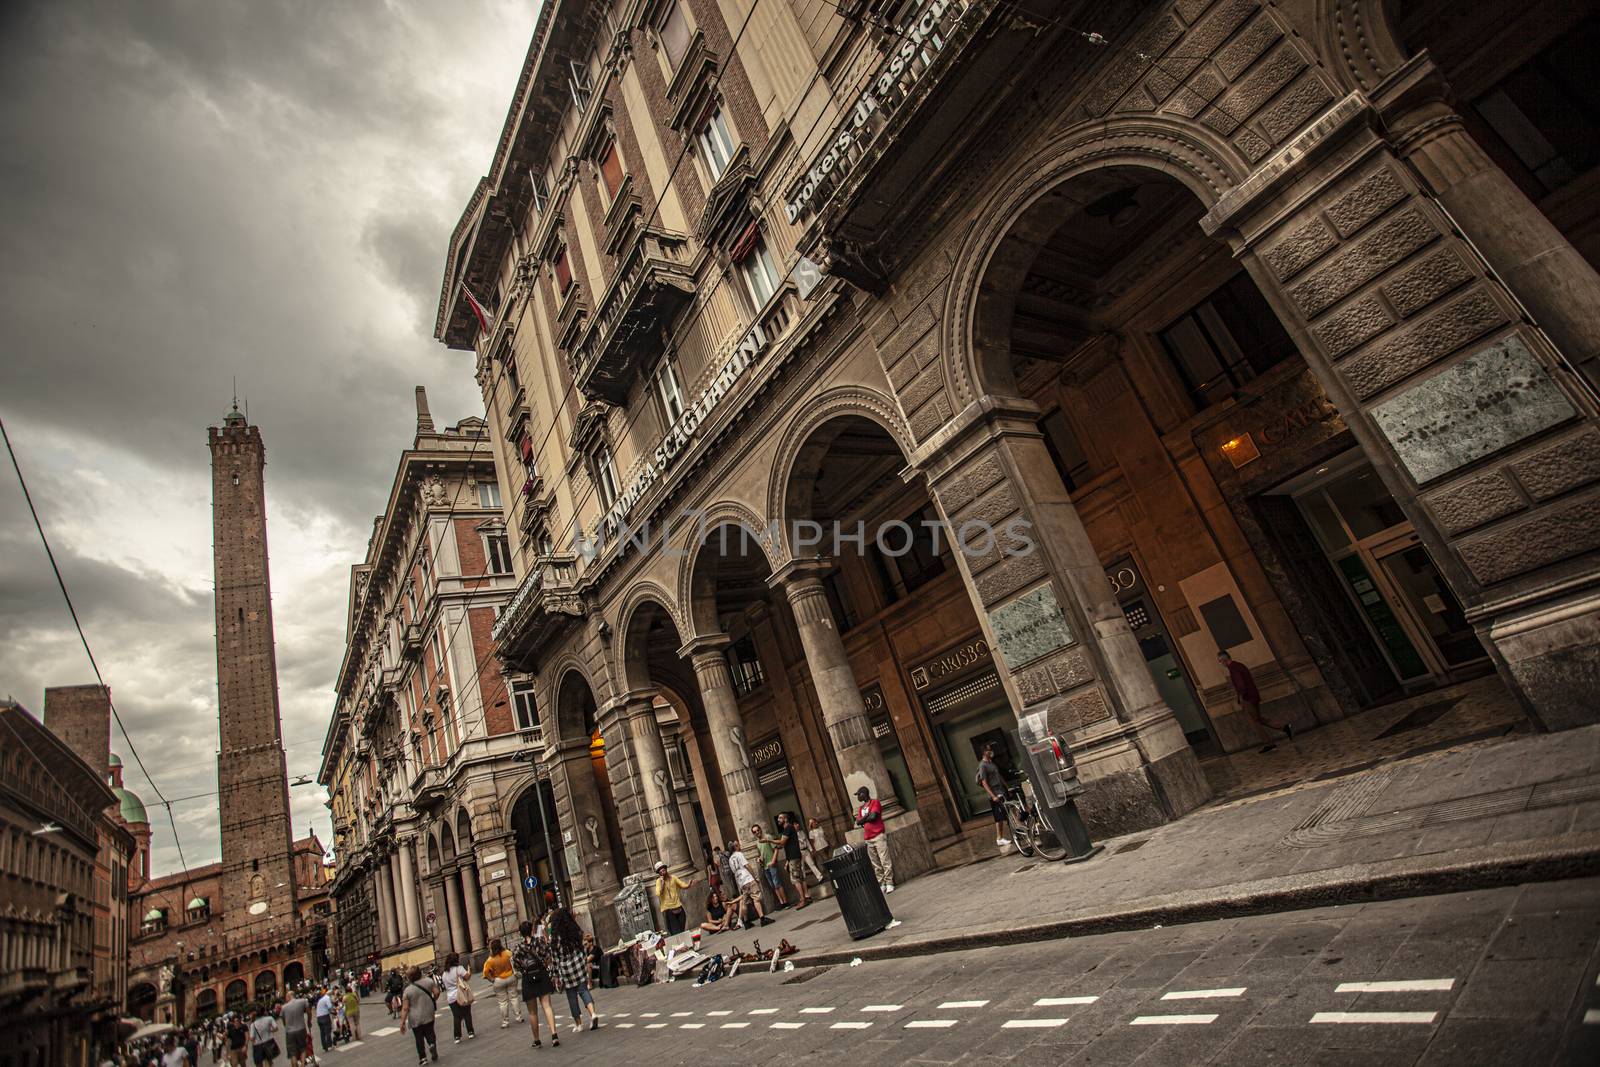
193 191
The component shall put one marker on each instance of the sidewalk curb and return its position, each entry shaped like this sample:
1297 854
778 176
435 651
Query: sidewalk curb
1481 867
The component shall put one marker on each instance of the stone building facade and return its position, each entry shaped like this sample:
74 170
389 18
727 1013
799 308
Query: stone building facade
1144 329
427 753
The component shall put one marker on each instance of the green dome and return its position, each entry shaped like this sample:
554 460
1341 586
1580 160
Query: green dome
196 904
116 760
153 915
132 807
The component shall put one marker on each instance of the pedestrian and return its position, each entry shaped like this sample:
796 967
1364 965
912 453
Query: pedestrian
1249 698
572 966
456 981
718 915
497 969
994 784
669 891
264 1037
749 888
769 869
325 1019
869 816
714 870
394 986
789 838
531 961
817 845
175 1055
296 1018
419 1000
352 1013
237 1036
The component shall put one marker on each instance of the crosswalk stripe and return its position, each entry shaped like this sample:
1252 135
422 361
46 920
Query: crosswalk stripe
386 1031
786 1026
1173 1020
1061 1002
655 1026
1204 994
850 1026
691 1026
718 1014
350 1045
649 1015
1592 1016
962 1004
763 1011
815 1011
1423 1017
621 1014
735 1026
1032 1024
682 1014
623 1026
931 1024
883 1007
1416 985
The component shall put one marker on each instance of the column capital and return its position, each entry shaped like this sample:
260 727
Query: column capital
800 572
697 646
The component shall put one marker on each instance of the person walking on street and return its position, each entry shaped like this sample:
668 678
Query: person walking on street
497 968
238 1039
296 1016
393 986
669 891
352 1013
572 966
1249 697
531 960
817 845
789 838
419 1000
456 981
769 867
748 885
325 1019
869 816
264 1037
994 784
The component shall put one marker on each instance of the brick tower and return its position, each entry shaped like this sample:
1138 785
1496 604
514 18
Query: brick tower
258 890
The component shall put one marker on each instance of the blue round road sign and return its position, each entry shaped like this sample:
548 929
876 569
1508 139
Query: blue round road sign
531 882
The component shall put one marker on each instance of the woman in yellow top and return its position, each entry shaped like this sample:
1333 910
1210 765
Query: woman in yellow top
352 1013
497 968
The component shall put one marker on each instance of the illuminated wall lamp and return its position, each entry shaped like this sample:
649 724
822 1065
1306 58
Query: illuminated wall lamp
1241 450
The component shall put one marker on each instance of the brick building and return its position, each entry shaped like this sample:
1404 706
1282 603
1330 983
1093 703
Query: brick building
421 753
1265 328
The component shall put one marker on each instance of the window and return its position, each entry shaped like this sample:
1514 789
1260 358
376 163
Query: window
716 147
1062 444
745 666
563 271
541 191
498 553
611 170
523 705
838 601
438 652
759 273
921 562
605 477
675 36
669 392
488 494
1547 111
511 373
578 85
1225 340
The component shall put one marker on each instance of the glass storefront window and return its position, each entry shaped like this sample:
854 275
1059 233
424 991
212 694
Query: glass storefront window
1365 503
961 739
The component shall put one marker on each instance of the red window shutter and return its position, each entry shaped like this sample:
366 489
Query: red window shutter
563 272
525 446
611 169
746 241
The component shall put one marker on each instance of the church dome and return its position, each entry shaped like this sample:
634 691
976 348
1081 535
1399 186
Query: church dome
132 808
116 760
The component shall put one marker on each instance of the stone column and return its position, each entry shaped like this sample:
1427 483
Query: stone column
726 727
656 780
408 887
472 903
457 918
843 715
628 802
444 943
386 910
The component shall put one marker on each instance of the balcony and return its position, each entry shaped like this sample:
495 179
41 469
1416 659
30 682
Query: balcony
544 605
411 642
653 282
428 790
389 683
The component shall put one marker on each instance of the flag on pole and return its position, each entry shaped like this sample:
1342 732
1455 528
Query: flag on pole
477 309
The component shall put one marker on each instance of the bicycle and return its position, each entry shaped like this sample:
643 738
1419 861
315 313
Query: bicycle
1031 832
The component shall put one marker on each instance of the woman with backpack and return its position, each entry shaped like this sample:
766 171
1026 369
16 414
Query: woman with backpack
571 966
531 961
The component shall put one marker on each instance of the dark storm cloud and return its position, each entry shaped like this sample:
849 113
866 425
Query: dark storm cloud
193 191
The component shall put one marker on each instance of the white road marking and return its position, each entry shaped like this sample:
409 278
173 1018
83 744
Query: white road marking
682 1014
1060 1002
763 1011
1424 1017
621 1014
719 1014
735 1026
623 1026
386 1031
1032 1024
649 1015
931 1024
785 1026
349 1046
1204 994
962 1004
691 1026
1173 1020
815 1011
1419 985
655 1026
1592 1016
850 1026
883 1007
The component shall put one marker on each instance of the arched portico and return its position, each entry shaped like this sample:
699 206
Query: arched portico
580 771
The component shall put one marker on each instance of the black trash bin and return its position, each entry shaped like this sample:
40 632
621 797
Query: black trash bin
861 900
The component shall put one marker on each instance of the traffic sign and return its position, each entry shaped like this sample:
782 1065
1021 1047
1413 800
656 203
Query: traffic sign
431 917
531 882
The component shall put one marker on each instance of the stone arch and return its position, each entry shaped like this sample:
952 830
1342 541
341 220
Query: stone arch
293 974
798 435
998 249
236 995
723 513
265 986
631 618
447 842
1358 41
463 830
435 856
567 708
699 577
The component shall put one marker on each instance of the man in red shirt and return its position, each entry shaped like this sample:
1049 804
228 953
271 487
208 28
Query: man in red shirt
869 816
1244 687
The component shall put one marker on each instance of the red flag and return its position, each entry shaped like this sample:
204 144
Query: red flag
477 309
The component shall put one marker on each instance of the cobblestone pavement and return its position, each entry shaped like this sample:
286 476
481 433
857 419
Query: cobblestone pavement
1505 976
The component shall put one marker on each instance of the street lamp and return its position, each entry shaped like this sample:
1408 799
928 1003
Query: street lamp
531 756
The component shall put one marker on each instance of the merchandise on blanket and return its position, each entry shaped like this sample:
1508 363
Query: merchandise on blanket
713 971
